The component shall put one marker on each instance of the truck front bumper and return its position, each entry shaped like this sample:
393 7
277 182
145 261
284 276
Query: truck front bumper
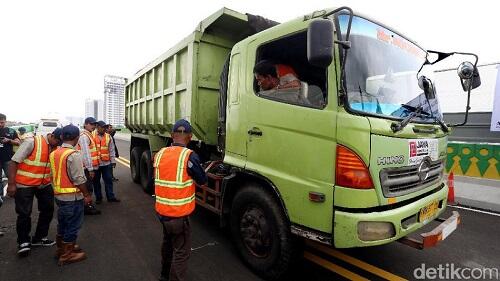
404 220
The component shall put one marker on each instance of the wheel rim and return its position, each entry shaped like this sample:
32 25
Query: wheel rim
255 232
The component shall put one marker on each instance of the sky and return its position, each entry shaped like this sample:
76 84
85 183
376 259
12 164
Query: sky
54 54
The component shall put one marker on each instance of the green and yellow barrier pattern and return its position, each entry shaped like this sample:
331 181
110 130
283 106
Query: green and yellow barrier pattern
480 160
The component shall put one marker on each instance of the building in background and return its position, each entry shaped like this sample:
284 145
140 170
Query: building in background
94 108
114 100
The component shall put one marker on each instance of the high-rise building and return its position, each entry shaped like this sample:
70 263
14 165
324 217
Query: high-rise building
94 108
114 100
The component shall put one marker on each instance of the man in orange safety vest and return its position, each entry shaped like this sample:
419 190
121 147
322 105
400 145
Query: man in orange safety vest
29 177
90 156
71 194
176 169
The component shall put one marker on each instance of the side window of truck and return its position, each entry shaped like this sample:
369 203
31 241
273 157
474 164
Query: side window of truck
233 78
282 73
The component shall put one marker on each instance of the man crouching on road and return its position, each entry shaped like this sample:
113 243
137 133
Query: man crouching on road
29 177
71 194
175 168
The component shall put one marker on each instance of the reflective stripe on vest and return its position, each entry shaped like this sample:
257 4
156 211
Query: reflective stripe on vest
61 182
35 169
174 188
102 146
94 155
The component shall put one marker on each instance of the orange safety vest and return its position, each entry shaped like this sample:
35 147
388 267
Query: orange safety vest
94 155
61 183
283 69
174 188
102 146
35 170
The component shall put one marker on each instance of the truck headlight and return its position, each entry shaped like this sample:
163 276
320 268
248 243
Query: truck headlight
374 230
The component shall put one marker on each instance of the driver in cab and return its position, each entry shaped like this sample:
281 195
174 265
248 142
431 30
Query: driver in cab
272 76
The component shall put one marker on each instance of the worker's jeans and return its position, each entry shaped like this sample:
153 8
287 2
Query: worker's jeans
105 172
176 248
24 205
69 219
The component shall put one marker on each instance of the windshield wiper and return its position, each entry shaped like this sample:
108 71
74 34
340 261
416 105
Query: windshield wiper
415 112
443 126
361 93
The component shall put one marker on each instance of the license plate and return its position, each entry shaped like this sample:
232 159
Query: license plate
428 211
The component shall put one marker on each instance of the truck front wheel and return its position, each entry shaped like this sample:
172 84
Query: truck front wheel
261 232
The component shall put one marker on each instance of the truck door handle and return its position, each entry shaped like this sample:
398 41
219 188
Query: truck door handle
255 131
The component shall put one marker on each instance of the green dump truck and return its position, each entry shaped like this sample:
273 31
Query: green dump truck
351 157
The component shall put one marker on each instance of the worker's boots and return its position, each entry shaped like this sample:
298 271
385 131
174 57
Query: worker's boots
69 256
60 250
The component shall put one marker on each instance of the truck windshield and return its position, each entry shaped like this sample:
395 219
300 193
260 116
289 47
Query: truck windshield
380 72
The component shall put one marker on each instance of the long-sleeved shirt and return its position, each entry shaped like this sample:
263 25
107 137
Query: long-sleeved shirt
112 154
195 170
76 174
84 143
24 152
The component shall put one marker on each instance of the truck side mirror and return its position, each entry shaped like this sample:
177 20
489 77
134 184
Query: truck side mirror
469 76
320 42
426 84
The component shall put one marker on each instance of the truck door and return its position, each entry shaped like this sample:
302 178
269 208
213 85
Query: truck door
291 130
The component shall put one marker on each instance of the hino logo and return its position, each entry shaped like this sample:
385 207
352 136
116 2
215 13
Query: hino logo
424 169
389 160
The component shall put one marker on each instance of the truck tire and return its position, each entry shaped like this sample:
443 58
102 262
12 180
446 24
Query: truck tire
146 172
135 159
261 232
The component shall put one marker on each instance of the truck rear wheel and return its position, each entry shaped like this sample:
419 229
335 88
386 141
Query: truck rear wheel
146 172
261 232
135 159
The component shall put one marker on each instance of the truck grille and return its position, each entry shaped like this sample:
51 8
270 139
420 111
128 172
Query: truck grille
404 180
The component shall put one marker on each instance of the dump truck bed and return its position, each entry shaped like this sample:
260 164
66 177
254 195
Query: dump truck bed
184 81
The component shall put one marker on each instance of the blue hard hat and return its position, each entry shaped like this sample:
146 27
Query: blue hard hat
90 120
101 124
182 123
57 132
70 132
